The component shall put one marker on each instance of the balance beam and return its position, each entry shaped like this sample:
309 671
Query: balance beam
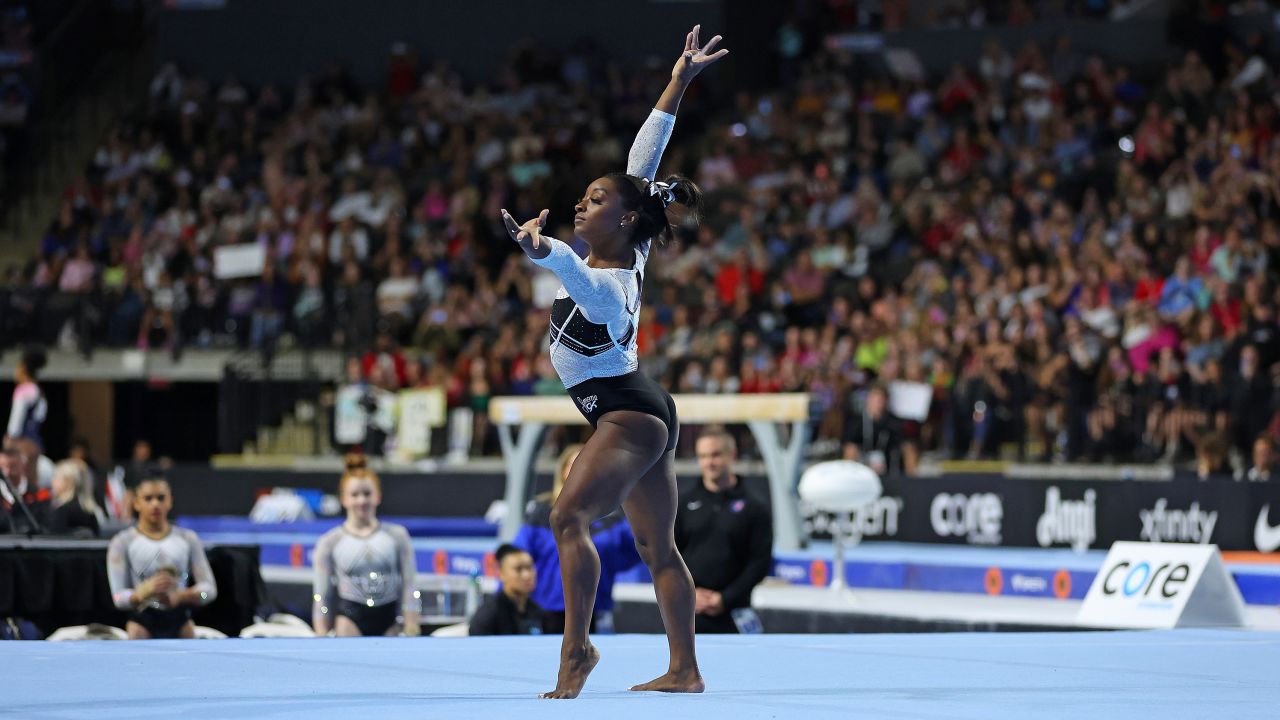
762 414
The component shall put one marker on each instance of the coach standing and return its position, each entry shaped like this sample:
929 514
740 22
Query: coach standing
725 535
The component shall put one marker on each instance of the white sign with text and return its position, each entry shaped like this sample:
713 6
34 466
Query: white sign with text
245 260
1162 585
420 411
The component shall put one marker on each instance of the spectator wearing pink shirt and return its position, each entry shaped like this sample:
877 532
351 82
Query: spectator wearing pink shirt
78 272
804 284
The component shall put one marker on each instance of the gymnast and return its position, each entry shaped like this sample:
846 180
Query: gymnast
365 576
158 571
630 456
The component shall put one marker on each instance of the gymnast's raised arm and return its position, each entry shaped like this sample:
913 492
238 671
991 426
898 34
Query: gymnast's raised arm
651 141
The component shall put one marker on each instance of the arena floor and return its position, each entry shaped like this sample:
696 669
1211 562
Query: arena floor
1166 674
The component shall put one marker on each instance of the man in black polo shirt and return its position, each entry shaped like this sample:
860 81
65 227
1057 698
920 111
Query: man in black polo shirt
725 535
511 611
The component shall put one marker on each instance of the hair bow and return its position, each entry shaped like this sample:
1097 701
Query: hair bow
662 190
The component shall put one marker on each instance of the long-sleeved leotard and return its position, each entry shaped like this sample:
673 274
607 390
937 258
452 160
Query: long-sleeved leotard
133 558
371 571
597 310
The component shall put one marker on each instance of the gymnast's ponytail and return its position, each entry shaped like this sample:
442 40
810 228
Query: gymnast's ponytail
653 200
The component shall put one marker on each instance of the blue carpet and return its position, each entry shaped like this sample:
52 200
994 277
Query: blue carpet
1166 674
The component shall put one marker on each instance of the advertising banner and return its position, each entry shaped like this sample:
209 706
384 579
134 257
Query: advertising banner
992 510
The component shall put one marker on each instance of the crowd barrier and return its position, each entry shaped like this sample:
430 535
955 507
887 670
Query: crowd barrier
56 583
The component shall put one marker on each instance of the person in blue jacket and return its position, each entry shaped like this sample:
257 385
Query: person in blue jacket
613 540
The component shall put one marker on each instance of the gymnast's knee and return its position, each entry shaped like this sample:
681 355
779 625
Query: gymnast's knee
655 554
568 522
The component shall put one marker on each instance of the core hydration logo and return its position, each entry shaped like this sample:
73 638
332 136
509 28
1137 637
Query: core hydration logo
1068 522
1151 585
1193 525
977 518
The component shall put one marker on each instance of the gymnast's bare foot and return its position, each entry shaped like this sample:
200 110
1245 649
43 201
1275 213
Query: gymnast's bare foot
688 681
575 665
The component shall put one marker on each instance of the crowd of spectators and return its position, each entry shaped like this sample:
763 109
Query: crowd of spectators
1080 260
894 15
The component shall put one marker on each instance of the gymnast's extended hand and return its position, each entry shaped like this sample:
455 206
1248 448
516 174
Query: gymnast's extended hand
529 235
695 59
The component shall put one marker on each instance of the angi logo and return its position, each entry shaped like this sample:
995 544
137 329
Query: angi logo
588 403
1265 536
1073 522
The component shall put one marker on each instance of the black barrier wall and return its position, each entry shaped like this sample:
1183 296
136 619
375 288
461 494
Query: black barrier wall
1139 42
201 490
283 40
56 585
962 509
994 510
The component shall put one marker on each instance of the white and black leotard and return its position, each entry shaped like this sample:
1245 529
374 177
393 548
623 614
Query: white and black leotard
27 413
597 310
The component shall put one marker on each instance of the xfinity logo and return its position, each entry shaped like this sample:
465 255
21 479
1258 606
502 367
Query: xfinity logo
1160 524
973 517
878 518
1071 522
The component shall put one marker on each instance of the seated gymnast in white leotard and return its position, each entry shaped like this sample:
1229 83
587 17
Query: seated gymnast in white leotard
158 571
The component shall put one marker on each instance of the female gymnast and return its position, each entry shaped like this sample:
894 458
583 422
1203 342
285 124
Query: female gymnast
629 459
150 565
365 574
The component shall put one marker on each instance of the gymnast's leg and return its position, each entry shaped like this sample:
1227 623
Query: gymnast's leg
344 626
625 445
651 510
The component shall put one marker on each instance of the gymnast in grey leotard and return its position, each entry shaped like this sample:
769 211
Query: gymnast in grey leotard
140 555
364 568
369 580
